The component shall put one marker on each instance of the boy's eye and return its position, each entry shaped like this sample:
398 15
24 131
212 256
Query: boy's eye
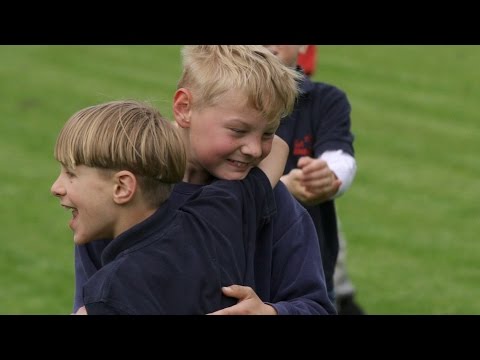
268 135
238 131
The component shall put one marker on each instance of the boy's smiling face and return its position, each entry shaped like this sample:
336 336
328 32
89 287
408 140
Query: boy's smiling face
229 139
87 193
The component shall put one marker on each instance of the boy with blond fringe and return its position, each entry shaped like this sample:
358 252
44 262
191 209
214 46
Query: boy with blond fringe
119 161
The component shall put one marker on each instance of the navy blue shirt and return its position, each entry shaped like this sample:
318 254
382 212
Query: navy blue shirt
287 266
319 122
177 260
288 269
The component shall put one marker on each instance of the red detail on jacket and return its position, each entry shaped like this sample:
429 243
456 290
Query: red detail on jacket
303 147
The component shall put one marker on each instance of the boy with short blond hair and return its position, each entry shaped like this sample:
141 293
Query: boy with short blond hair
227 105
211 71
119 163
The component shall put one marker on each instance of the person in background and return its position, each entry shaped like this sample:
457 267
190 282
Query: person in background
321 166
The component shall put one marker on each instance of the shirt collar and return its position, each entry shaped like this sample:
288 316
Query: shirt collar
144 230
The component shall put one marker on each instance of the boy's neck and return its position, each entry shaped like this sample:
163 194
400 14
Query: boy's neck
195 176
131 216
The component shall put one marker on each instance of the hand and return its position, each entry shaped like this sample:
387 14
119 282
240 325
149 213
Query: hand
294 182
248 302
320 182
81 311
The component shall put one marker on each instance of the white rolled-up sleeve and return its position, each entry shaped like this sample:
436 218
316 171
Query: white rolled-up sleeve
343 165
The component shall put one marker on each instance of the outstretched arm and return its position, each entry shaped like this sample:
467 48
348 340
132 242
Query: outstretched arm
295 283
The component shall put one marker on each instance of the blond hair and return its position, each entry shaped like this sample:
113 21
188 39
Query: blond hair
209 71
125 135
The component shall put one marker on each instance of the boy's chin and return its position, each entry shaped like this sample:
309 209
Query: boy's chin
232 175
81 240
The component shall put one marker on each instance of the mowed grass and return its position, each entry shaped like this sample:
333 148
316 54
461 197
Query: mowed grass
42 86
410 216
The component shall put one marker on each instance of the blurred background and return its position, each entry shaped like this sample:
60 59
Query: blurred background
410 217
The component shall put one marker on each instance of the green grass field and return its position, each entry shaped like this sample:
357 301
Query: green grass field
409 217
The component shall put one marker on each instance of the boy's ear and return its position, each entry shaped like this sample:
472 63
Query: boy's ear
182 107
125 186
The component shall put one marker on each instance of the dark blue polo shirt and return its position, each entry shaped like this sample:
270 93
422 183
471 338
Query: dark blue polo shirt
319 122
177 260
287 270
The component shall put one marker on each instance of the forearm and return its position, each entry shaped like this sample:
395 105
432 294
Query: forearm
274 164
344 167
300 306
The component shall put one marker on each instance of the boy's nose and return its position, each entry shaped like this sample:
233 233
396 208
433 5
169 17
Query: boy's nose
56 189
253 149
